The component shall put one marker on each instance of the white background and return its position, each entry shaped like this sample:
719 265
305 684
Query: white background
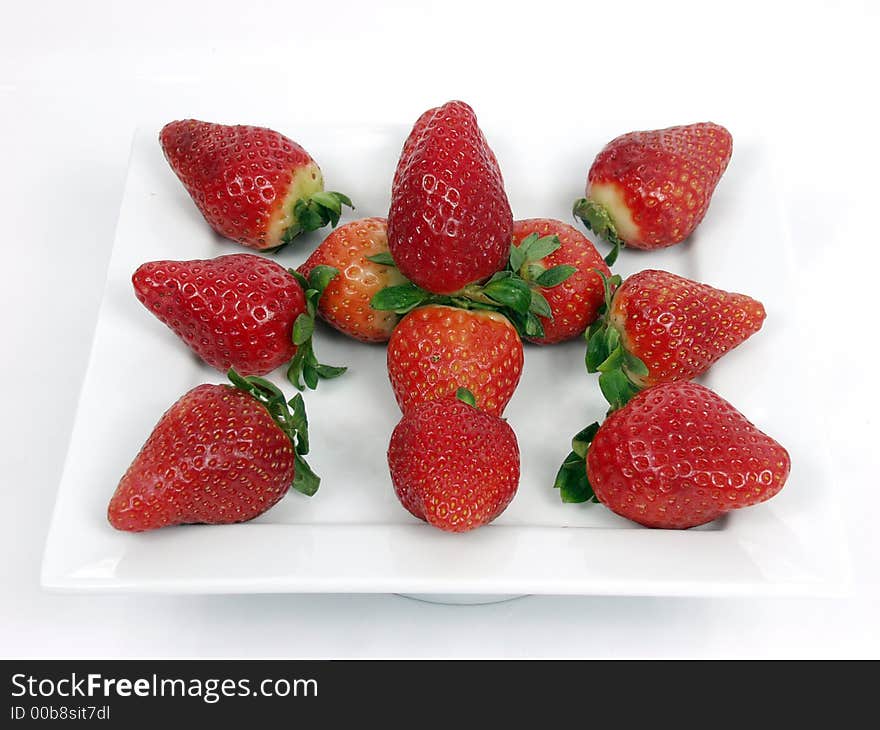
75 80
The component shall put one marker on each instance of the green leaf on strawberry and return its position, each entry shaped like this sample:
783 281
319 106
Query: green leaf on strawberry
401 298
524 267
617 387
539 305
383 258
555 276
517 257
513 291
303 328
510 292
597 219
316 211
304 370
607 355
465 396
305 480
290 417
571 479
597 351
537 248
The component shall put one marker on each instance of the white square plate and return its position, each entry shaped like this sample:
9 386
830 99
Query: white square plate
353 536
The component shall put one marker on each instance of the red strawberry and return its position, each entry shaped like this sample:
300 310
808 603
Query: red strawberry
651 189
450 223
574 300
251 184
453 465
437 349
345 303
660 327
676 456
239 311
220 454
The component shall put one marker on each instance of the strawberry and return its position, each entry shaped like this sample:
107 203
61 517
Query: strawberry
544 250
437 349
252 185
660 327
239 311
220 454
453 465
651 189
345 303
677 456
450 222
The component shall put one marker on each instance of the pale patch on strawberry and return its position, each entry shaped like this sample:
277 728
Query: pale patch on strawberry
364 276
610 196
345 303
305 182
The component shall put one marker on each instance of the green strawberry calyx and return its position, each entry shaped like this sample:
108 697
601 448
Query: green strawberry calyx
290 415
597 219
571 479
304 369
525 264
620 372
514 291
316 211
